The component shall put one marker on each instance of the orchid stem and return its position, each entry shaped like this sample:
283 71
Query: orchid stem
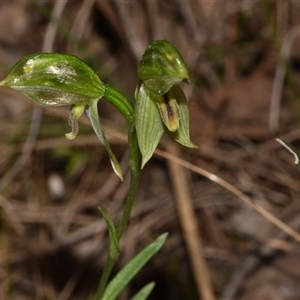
134 160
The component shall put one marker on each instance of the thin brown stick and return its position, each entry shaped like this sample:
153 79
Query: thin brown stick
291 232
190 226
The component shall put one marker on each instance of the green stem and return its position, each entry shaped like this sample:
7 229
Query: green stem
135 170
118 100
134 160
110 262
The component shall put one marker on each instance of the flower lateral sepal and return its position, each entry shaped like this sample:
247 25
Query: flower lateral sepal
148 123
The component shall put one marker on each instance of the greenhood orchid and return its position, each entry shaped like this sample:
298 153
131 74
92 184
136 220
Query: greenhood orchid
54 79
161 105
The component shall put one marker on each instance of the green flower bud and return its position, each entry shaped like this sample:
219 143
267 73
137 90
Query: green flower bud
161 67
55 79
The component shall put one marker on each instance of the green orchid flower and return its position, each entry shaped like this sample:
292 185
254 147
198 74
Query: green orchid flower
161 105
53 79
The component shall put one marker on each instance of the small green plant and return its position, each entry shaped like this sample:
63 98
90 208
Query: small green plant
53 79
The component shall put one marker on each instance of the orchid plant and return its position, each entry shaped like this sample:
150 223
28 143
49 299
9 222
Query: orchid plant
53 79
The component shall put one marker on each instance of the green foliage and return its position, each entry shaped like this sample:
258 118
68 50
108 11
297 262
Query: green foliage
119 282
114 249
144 292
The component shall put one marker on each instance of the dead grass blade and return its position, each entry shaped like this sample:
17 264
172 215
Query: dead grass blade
188 221
288 230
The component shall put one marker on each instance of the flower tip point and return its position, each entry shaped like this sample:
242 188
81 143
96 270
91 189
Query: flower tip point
117 169
143 164
189 145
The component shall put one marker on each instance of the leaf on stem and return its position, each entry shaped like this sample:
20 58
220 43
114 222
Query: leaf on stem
120 281
114 244
143 293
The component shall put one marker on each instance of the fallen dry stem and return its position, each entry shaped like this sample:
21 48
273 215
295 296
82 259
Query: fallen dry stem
232 189
188 221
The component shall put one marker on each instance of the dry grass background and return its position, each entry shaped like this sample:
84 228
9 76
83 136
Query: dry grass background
53 241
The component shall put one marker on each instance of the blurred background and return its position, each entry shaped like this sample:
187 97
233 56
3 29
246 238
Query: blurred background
244 63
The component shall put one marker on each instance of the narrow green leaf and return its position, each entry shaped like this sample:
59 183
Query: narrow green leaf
292 150
120 281
161 67
148 123
92 112
144 292
114 244
55 79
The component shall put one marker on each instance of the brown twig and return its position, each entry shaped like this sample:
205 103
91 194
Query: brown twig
190 227
284 227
